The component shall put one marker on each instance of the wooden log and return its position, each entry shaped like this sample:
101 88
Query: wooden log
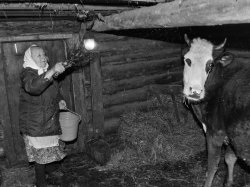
140 94
118 110
137 82
40 27
96 89
35 37
103 37
165 89
107 37
179 82
112 114
142 68
60 7
132 43
115 111
179 14
136 56
126 96
117 71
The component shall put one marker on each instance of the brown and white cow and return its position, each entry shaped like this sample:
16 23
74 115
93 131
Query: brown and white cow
217 89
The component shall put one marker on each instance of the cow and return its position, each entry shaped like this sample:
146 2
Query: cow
217 90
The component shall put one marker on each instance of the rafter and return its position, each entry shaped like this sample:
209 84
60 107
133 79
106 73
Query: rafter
48 11
179 13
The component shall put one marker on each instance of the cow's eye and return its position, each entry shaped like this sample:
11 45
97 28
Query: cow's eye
209 66
188 61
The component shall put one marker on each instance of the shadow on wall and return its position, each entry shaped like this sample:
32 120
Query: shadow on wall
237 35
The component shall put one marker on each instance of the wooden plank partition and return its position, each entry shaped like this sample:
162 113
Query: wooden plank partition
9 147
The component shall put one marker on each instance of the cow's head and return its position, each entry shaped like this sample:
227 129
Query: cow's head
199 61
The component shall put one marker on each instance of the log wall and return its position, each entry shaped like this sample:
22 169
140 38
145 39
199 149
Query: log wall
129 69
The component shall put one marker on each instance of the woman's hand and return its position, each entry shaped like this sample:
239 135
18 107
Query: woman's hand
62 105
59 68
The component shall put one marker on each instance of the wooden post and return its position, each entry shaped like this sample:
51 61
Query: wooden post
9 147
96 88
79 101
80 108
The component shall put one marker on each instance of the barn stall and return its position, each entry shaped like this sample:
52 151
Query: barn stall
127 90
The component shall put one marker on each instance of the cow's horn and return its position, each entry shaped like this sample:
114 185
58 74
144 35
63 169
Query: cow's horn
217 47
187 39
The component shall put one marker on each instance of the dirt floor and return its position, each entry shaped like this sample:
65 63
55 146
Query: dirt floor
80 170
151 149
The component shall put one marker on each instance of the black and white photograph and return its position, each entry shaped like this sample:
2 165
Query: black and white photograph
124 93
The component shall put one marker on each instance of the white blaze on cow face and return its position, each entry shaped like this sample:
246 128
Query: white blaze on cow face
195 74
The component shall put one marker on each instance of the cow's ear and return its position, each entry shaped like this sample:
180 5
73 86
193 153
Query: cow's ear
225 59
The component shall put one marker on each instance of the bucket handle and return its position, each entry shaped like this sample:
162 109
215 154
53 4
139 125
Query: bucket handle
66 109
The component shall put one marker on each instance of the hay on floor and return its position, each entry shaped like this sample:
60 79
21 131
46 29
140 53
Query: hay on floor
154 136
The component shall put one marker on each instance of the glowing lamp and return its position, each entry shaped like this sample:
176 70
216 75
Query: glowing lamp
89 44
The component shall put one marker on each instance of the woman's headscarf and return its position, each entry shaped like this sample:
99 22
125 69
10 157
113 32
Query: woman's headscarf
29 62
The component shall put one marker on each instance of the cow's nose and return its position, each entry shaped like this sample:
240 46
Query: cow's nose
195 91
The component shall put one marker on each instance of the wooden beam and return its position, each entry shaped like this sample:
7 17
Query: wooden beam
16 29
132 3
36 37
179 13
59 7
49 11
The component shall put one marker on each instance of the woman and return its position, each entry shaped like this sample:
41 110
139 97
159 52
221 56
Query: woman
40 101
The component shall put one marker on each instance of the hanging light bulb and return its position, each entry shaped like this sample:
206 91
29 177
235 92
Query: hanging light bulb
89 44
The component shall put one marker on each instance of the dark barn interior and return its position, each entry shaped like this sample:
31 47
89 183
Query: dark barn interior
134 131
